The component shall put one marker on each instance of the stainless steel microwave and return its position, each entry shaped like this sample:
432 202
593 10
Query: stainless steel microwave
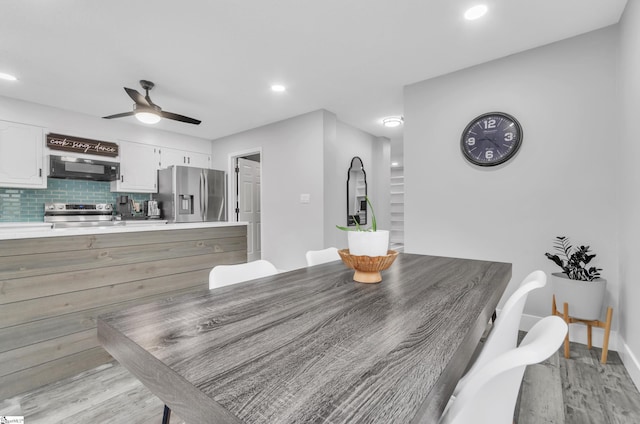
83 169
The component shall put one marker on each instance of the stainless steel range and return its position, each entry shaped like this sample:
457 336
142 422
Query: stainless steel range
79 214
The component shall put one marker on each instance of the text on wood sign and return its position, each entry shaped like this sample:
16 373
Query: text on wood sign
81 145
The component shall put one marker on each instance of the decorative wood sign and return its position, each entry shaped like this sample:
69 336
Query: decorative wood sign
81 145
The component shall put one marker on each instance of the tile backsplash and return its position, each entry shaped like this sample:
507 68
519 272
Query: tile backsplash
27 205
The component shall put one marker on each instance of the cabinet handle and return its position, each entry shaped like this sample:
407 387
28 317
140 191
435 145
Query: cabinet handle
188 160
40 172
121 178
184 159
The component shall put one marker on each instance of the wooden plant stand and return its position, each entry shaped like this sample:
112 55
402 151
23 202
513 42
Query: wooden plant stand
590 324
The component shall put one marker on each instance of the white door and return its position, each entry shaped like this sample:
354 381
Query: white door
248 184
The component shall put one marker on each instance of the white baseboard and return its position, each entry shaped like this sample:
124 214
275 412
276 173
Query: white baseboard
630 362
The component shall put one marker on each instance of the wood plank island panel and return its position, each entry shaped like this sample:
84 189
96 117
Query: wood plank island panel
28 265
63 283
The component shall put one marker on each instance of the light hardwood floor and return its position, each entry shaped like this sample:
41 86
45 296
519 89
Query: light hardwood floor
578 390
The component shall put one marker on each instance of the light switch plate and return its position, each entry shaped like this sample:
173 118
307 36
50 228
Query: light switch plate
305 198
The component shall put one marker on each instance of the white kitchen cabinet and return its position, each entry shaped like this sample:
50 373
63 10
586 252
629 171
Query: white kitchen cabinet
22 156
170 157
138 168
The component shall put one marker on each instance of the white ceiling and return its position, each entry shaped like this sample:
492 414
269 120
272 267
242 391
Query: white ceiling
215 60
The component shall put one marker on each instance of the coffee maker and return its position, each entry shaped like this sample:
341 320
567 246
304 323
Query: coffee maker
124 207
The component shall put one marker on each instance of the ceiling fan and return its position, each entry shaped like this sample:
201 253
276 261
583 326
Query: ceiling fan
148 112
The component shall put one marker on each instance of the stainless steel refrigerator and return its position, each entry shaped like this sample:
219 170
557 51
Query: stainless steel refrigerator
187 194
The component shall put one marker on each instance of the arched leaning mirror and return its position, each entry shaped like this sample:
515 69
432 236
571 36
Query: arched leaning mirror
356 193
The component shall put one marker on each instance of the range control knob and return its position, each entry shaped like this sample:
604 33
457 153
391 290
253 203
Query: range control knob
50 207
60 206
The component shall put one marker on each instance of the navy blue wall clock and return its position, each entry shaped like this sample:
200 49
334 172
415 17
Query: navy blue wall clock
491 139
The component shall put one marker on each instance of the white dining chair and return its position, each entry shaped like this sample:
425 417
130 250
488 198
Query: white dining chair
504 333
490 394
317 257
225 275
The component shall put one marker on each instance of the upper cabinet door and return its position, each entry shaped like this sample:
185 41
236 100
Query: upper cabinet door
169 157
199 160
22 156
138 168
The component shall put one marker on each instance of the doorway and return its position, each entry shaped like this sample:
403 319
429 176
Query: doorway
246 189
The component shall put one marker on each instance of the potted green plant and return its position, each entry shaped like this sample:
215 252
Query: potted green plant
367 241
579 284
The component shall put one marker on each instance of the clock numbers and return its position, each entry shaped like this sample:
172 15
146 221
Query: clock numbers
508 136
488 154
471 141
489 124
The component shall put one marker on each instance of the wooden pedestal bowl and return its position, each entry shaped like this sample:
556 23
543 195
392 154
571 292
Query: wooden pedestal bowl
367 268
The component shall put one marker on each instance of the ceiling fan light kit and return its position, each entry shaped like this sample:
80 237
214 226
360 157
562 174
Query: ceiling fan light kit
148 117
148 112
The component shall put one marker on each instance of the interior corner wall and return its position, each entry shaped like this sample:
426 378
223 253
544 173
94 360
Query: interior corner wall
292 164
561 182
333 178
629 225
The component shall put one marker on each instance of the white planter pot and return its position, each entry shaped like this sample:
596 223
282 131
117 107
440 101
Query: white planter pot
585 298
368 243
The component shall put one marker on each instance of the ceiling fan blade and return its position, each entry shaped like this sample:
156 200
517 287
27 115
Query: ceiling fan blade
137 97
180 118
119 115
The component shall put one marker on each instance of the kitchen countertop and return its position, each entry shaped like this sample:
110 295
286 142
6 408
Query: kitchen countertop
24 230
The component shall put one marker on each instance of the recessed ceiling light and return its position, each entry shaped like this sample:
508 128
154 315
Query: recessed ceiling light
392 121
278 88
394 163
475 12
7 77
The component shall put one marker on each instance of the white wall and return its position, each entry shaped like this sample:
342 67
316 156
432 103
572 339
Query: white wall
291 164
334 186
308 154
77 124
629 227
562 181
374 152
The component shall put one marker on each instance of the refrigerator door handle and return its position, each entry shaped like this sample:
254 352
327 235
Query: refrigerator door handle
206 195
224 197
201 196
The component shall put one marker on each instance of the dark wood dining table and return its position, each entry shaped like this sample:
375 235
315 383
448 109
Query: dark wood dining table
311 345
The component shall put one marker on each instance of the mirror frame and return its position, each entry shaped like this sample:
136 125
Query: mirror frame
351 218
